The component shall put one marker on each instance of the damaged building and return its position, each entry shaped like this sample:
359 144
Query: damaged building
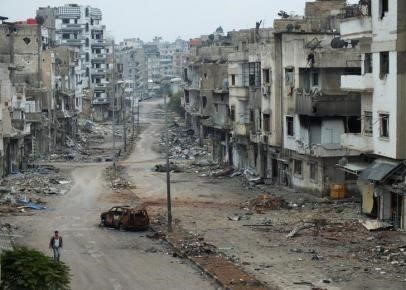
379 28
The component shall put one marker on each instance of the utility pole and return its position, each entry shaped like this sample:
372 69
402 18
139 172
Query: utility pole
123 109
114 108
168 177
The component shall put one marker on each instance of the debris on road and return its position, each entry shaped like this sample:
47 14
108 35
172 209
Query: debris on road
265 202
374 225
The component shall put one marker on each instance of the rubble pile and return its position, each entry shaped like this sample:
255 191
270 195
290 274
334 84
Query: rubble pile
183 145
27 189
265 202
195 246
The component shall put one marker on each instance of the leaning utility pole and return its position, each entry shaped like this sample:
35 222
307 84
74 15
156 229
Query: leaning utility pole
168 177
114 108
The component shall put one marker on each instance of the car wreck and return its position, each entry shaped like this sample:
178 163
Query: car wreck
126 218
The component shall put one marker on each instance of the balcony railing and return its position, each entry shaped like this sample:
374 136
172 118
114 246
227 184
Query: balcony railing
319 103
357 10
359 142
98 42
355 83
241 129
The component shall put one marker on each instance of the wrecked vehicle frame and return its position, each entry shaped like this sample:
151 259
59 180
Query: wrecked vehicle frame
126 218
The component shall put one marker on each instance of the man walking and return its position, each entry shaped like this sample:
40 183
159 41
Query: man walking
56 243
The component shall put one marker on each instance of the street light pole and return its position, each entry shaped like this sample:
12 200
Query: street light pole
114 108
123 109
168 177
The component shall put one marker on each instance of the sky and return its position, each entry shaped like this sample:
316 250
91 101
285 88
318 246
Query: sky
167 18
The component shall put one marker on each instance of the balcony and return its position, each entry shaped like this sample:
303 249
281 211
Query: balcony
98 72
98 27
325 150
356 26
74 27
100 87
240 56
242 129
101 57
324 104
73 41
240 93
354 83
98 42
33 117
357 142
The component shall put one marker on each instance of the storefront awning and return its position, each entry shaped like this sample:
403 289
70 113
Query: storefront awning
378 170
353 168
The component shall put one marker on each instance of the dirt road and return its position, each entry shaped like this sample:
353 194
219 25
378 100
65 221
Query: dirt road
102 258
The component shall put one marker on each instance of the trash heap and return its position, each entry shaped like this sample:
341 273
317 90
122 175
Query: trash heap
26 190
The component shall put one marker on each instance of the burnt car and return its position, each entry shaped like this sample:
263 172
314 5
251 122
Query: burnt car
126 218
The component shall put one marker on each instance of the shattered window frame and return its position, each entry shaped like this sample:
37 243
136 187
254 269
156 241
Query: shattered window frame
384 125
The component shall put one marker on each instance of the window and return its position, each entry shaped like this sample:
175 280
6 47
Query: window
98 94
87 42
76 21
186 97
252 116
383 8
290 76
204 101
384 125
315 79
368 63
313 171
87 12
87 57
289 126
384 63
267 122
297 167
216 107
368 123
232 113
65 36
233 80
87 27
65 21
265 76
205 75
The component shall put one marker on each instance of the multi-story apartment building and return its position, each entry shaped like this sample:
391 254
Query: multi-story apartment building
379 28
315 111
80 26
153 69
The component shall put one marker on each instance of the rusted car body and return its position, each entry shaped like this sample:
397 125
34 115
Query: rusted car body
126 218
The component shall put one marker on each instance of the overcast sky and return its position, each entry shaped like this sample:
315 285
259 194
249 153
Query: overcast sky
167 18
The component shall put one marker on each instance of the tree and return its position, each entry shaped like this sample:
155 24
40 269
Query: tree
29 269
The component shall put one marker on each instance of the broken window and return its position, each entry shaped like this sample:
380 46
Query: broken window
87 27
204 101
290 76
232 113
87 42
252 117
267 122
289 126
315 78
252 74
368 123
353 125
384 63
65 21
233 80
297 167
186 96
26 40
384 125
383 8
368 63
313 171
185 75
216 107
65 36
205 75
266 77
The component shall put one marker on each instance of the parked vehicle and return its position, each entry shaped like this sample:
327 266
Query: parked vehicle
126 218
